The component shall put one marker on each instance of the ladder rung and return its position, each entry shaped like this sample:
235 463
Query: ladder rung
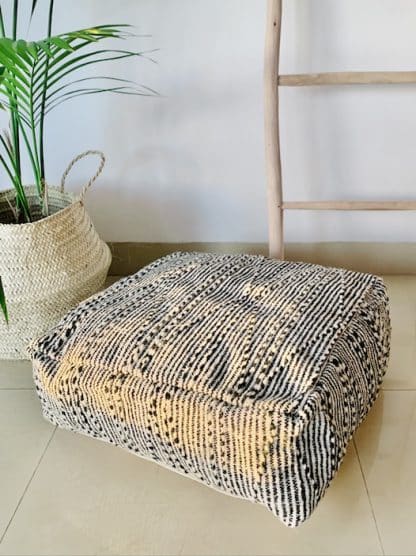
349 205
347 78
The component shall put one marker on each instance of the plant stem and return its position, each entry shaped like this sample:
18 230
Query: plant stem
43 105
2 29
15 15
6 167
36 168
21 200
32 156
14 108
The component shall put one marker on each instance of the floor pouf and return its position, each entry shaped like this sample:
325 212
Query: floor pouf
242 372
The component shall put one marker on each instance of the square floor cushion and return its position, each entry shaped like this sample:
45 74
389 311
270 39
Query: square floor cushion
245 373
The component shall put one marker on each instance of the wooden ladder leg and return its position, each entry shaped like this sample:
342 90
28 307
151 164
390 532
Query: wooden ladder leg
272 131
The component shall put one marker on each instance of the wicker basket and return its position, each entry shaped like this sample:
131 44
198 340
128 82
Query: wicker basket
49 265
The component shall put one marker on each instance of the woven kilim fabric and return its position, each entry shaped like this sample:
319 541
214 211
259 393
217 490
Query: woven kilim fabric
245 373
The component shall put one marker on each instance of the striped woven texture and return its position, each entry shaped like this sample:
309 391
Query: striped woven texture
245 373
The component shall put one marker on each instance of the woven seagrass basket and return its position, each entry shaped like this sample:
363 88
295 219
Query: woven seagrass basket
49 265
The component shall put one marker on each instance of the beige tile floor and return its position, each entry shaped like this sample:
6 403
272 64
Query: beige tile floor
64 494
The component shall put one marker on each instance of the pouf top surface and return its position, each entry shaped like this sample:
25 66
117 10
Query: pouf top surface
243 329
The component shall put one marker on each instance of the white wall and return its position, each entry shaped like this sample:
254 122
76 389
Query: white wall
189 166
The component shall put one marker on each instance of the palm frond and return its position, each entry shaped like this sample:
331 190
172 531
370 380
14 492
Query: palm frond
127 91
35 70
37 76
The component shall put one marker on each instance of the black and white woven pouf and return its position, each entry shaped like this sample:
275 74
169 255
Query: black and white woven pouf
245 373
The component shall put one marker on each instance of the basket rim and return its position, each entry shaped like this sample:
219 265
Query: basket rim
72 198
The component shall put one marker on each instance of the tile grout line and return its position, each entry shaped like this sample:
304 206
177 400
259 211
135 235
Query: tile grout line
369 498
27 486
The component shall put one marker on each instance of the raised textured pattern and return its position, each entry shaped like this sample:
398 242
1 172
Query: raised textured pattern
245 373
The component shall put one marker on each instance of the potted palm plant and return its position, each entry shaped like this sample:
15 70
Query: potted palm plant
50 254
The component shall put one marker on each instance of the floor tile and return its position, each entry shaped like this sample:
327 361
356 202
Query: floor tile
342 524
91 498
15 375
24 434
386 445
402 293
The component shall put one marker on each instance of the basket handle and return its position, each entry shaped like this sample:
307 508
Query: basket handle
92 180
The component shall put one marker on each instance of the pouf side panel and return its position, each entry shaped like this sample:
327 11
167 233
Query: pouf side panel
341 399
223 446
293 490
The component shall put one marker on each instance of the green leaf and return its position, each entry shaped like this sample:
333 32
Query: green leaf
35 77
13 88
61 43
44 45
79 62
54 98
86 92
31 46
22 49
13 62
3 305
10 49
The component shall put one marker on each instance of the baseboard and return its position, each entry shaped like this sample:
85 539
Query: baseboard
377 258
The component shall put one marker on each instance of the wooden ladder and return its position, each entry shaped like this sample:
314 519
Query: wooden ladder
272 81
